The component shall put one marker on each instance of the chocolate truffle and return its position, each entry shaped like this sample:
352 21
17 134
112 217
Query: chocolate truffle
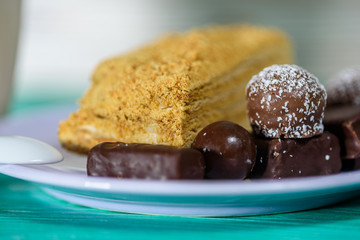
344 88
286 101
285 158
228 149
145 161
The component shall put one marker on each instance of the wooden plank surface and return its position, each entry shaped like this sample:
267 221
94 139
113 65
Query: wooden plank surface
26 212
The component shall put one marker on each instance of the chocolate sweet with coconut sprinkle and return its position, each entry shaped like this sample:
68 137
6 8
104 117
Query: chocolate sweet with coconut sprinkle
286 101
344 88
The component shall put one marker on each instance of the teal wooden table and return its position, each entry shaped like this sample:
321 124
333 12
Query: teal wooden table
26 212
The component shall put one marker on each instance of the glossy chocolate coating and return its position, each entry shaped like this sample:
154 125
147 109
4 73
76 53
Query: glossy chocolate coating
145 161
285 158
229 150
286 101
344 122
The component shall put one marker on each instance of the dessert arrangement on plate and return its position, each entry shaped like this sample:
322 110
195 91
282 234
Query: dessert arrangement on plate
223 102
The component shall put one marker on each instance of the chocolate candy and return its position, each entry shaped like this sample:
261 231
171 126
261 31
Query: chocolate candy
344 122
344 88
286 101
229 150
285 158
350 164
342 116
145 161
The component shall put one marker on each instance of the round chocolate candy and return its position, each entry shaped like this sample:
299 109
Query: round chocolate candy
228 149
344 87
286 101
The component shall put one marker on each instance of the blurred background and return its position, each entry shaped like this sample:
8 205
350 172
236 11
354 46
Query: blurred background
60 42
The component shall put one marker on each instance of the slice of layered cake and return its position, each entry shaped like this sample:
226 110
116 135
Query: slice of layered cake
166 92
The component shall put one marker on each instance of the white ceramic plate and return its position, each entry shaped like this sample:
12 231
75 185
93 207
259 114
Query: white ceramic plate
68 181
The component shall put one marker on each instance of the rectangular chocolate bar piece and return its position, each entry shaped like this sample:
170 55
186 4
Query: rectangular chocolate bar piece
285 158
344 122
145 161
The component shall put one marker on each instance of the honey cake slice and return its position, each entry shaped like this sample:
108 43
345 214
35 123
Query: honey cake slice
167 91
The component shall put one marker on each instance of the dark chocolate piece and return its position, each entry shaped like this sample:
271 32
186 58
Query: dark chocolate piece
350 164
356 164
285 158
286 101
145 161
229 150
344 122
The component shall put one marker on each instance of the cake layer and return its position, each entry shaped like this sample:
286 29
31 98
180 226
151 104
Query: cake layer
166 92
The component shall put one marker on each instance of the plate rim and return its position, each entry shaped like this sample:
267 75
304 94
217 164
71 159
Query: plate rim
47 175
